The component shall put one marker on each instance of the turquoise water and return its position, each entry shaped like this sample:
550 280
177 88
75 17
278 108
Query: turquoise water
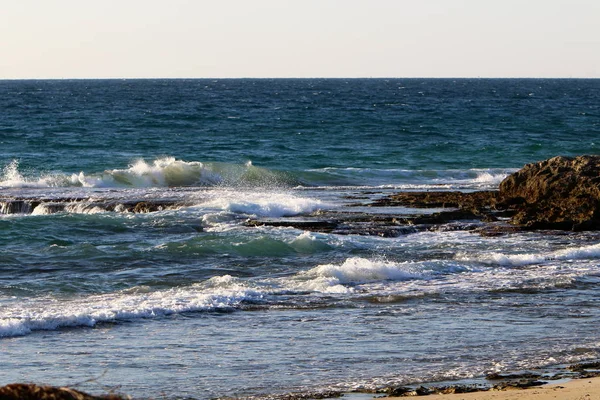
190 302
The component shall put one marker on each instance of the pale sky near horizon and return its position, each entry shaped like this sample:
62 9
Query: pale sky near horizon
299 38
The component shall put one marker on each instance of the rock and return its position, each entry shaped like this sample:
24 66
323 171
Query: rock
523 375
397 391
520 384
584 366
466 201
559 193
27 391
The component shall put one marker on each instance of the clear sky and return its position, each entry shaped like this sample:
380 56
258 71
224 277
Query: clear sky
299 38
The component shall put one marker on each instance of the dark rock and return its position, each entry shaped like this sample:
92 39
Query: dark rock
55 205
559 193
524 375
584 366
313 225
519 384
466 201
27 391
498 230
397 391
456 389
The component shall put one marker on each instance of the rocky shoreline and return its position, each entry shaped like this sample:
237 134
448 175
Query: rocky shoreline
491 382
495 382
560 193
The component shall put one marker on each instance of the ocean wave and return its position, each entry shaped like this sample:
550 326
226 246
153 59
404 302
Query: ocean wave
162 172
219 293
215 294
339 278
262 204
402 179
524 259
171 172
247 246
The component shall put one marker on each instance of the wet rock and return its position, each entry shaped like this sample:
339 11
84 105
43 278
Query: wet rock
404 391
314 225
584 366
383 225
328 394
519 384
17 206
397 391
27 391
558 193
498 230
524 375
455 389
56 205
142 207
476 201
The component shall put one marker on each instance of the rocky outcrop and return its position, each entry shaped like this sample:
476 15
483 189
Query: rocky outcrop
559 193
29 391
474 201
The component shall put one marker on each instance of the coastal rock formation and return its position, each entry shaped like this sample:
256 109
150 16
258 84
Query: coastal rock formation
474 201
559 193
28 391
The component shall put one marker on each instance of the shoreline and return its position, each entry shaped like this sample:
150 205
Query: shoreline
578 388
574 389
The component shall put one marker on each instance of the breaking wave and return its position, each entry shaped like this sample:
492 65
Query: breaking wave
162 172
452 179
218 293
171 172
524 259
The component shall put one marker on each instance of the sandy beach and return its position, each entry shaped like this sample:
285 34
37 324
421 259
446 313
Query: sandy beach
577 389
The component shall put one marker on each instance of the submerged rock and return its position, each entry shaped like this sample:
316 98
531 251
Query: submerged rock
559 193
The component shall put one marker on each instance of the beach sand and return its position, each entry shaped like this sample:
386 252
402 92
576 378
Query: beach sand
576 389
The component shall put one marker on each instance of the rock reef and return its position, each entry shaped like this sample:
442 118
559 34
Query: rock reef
561 193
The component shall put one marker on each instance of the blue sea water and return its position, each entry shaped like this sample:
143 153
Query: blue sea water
189 302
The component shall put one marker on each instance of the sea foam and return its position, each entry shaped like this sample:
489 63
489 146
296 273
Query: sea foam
262 204
215 294
524 259
340 278
162 172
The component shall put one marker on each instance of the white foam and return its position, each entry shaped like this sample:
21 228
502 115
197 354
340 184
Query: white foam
162 172
263 204
308 242
402 179
334 278
523 259
46 314
12 177
360 270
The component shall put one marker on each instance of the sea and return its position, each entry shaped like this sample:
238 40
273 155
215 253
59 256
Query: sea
189 301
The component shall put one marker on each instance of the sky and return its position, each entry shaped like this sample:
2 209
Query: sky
299 38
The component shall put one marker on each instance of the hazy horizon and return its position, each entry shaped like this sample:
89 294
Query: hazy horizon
67 39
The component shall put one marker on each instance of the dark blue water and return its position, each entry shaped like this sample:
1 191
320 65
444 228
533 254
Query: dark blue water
189 301
298 124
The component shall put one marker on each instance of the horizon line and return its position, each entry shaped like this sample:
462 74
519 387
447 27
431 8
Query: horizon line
298 78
